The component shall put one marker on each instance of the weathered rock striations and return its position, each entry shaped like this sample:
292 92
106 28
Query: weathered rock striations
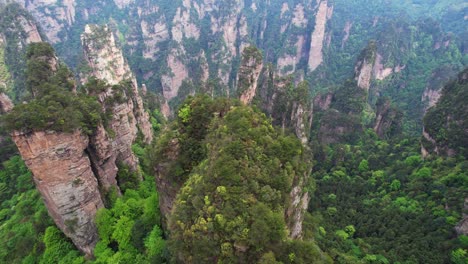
249 72
62 173
364 67
111 145
108 63
5 103
445 130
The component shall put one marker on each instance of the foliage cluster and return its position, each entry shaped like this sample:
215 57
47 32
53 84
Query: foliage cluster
403 208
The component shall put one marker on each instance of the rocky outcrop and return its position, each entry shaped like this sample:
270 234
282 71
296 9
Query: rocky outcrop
112 144
107 63
316 43
436 82
30 28
54 16
445 130
167 188
296 211
62 173
249 72
5 103
173 80
123 3
462 227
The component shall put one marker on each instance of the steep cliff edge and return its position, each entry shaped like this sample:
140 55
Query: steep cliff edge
17 29
5 103
249 72
107 63
232 196
445 125
324 13
62 174
119 97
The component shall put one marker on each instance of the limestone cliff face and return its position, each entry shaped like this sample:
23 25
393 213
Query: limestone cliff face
364 67
388 119
108 63
433 89
5 103
167 188
324 13
53 15
249 72
288 62
112 144
62 173
18 29
462 226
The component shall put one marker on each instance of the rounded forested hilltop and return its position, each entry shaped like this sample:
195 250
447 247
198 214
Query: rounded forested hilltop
232 207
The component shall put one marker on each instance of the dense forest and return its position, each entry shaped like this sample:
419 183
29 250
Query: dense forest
240 131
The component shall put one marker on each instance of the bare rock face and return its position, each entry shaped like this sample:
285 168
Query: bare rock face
316 44
462 226
172 81
62 173
288 62
5 103
112 144
296 211
53 15
30 28
123 3
301 118
249 72
108 63
388 119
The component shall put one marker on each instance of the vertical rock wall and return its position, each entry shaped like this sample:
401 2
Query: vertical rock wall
62 173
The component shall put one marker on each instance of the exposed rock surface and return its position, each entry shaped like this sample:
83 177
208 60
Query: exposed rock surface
445 130
53 15
108 63
316 44
462 226
364 67
62 173
249 72
433 90
5 103
167 189
388 119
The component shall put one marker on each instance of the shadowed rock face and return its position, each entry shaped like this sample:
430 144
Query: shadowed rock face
62 173
249 72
